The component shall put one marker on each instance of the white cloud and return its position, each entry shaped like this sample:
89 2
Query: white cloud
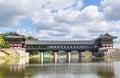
10 14
111 9
70 21
62 19
57 4
91 12
66 16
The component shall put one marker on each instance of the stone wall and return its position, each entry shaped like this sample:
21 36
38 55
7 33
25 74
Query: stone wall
22 53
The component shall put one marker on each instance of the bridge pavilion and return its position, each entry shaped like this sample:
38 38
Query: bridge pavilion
103 41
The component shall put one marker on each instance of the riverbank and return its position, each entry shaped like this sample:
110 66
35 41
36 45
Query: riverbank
9 56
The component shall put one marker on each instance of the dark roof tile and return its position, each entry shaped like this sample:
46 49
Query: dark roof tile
107 36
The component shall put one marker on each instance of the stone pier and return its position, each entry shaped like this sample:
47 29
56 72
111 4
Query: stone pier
80 56
68 57
41 57
55 57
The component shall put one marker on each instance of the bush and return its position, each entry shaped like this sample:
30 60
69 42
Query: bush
6 45
34 52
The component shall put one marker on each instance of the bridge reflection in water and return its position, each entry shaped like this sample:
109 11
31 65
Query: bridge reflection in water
95 70
91 70
77 70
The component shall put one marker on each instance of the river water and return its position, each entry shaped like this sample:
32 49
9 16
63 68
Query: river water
83 68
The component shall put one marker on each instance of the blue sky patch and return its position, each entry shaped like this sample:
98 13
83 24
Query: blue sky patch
91 2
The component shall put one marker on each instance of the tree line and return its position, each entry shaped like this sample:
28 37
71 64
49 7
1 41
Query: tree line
6 44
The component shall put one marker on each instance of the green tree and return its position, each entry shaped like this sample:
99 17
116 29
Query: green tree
7 44
3 43
31 38
8 33
1 39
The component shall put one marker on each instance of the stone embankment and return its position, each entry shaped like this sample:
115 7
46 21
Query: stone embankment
9 55
112 53
14 52
21 53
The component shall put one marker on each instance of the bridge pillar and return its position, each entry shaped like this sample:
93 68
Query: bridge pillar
80 56
68 57
41 57
93 54
55 57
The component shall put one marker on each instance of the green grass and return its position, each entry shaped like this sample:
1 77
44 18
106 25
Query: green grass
7 57
87 53
35 56
5 52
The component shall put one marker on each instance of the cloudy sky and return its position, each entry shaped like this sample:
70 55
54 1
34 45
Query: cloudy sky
60 19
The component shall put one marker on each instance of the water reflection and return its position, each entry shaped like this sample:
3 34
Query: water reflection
22 61
117 69
73 60
10 71
81 68
86 70
17 68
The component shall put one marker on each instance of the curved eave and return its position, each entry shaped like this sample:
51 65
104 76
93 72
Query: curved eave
107 37
14 38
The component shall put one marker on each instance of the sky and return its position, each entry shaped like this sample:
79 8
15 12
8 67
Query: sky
60 19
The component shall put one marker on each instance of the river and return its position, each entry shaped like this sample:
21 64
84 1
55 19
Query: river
83 68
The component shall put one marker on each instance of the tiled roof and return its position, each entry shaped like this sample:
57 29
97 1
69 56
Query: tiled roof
107 36
43 42
14 37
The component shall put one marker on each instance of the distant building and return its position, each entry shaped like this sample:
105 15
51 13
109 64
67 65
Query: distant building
15 40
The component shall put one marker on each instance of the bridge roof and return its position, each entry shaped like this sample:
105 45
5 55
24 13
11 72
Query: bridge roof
45 42
14 36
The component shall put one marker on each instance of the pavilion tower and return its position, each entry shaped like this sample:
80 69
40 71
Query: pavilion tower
15 40
106 41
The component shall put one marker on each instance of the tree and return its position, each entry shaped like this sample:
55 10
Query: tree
7 44
8 33
31 38
1 39
3 43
